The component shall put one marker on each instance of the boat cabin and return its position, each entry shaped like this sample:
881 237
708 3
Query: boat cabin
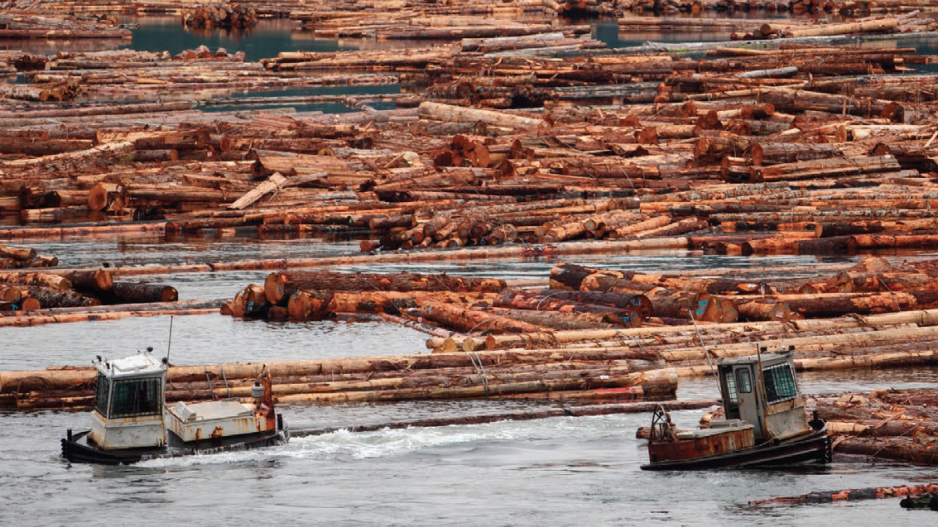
129 401
761 390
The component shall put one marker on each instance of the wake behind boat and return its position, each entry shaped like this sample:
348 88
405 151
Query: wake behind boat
765 422
131 422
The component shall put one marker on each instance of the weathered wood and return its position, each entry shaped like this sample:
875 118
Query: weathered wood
281 285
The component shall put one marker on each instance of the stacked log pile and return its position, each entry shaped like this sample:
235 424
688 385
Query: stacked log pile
24 257
685 322
22 293
222 15
665 138
29 26
884 424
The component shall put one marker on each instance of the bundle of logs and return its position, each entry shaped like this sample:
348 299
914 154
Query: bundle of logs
24 257
371 379
28 26
222 15
22 293
705 147
885 424
588 298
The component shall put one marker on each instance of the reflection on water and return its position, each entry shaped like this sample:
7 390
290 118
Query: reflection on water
266 40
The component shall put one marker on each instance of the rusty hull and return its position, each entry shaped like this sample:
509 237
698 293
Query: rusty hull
700 443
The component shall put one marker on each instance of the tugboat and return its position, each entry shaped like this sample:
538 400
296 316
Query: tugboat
765 422
131 422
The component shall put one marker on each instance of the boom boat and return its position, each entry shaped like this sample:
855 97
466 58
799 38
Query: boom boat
131 422
765 422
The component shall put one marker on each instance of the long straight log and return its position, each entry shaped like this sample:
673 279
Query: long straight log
38 317
64 379
281 285
445 112
137 293
555 320
657 387
926 318
852 495
633 309
472 320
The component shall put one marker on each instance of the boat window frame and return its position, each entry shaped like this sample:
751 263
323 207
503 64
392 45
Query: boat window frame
102 394
788 384
740 384
729 381
148 390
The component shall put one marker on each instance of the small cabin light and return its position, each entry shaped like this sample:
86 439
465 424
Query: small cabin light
257 391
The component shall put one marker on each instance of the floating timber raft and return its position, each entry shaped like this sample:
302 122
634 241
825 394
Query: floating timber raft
513 135
380 378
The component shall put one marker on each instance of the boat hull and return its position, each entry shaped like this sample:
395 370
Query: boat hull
77 449
815 447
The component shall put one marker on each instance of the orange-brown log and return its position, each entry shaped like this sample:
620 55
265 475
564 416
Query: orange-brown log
470 320
629 309
17 253
281 285
91 281
48 280
307 305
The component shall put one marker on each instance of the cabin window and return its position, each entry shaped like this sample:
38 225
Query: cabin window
743 380
137 397
730 387
101 392
779 383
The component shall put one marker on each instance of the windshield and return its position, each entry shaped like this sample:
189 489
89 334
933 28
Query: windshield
136 397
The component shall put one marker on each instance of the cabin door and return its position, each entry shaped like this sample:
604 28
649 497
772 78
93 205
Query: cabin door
747 397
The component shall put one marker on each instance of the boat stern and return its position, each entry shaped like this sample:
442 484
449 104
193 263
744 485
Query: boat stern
695 444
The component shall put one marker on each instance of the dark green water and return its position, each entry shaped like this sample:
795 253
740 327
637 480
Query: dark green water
266 40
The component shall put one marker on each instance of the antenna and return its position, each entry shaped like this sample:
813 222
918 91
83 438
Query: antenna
170 342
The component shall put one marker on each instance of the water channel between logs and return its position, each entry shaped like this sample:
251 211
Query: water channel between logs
559 471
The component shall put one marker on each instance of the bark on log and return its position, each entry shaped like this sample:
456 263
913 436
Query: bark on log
138 293
470 320
445 112
281 285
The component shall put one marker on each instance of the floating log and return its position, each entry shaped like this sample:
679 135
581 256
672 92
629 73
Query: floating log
470 320
852 495
137 293
17 253
282 284
630 310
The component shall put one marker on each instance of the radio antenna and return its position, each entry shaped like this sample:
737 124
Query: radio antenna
170 343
